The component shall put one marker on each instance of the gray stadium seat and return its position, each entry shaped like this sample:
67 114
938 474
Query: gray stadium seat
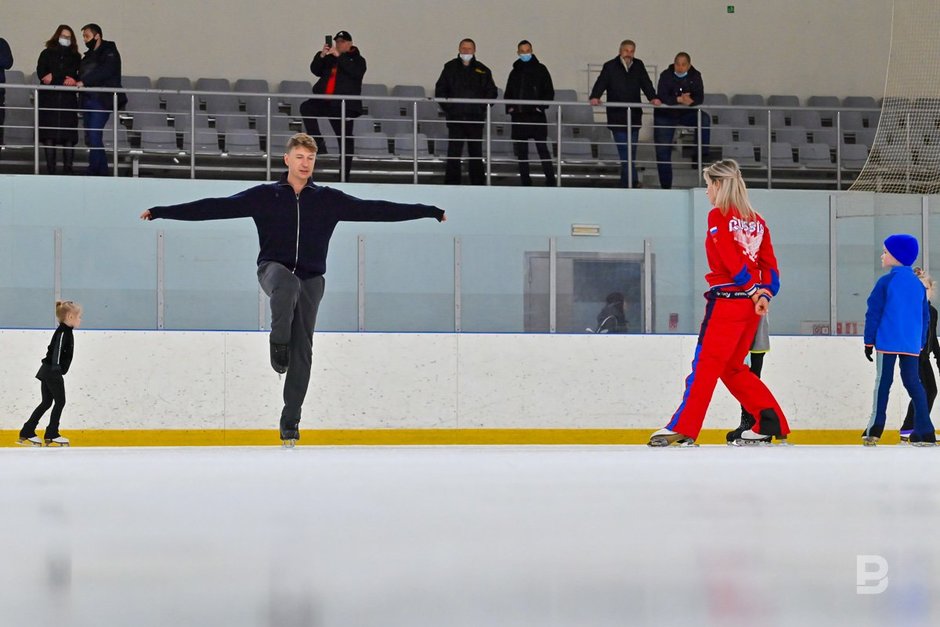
18 128
756 136
794 135
816 156
225 122
404 146
149 119
781 155
136 82
742 152
806 118
721 136
227 103
108 136
207 142
213 84
827 135
566 95
293 93
851 120
408 91
576 150
374 89
865 137
778 117
823 101
257 106
860 102
250 86
15 77
143 102
181 121
243 143
180 103
854 156
178 83
747 100
372 145
607 151
158 140
716 99
734 118
783 101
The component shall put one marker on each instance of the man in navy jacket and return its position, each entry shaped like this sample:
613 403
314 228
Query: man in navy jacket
623 78
295 220
681 86
100 67
6 62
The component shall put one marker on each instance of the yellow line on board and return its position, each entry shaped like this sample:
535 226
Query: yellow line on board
410 437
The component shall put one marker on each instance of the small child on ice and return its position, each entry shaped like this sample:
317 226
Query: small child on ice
51 374
896 327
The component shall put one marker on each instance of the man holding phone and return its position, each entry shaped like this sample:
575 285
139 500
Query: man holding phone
340 68
680 85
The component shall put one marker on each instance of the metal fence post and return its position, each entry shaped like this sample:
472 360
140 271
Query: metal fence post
36 131
414 143
192 136
458 271
342 141
161 280
833 266
361 283
558 149
552 285
114 130
647 286
630 147
489 147
267 161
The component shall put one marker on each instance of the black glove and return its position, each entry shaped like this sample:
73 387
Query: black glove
868 350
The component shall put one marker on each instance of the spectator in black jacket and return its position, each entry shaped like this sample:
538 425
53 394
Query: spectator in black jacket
680 85
58 64
340 68
623 78
530 80
465 77
100 67
6 62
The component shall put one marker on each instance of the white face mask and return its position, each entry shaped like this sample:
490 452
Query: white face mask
466 58
64 41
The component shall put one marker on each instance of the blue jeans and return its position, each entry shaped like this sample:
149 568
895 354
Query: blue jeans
664 131
620 136
910 376
94 118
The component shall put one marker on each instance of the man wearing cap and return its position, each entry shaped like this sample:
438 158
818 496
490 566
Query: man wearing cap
465 77
340 68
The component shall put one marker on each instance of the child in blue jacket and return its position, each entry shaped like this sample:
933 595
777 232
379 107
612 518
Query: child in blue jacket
896 325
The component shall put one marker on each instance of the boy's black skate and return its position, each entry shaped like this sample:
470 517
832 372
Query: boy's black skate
59 440
280 357
747 421
290 433
927 439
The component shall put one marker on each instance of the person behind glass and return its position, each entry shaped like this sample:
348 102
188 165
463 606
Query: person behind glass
742 278
613 317
58 110
680 85
465 77
932 347
623 78
530 80
295 219
896 327
340 68
6 62
55 365
100 67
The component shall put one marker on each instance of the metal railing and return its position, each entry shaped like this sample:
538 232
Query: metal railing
577 133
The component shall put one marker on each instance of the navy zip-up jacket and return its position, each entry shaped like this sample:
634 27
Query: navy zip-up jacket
59 354
295 229
898 313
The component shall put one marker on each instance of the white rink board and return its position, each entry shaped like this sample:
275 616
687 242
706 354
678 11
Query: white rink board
219 380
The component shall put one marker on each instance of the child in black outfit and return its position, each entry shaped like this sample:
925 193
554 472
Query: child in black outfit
51 374
932 347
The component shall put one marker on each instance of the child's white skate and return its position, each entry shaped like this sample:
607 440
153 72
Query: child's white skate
870 440
665 437
289 443
33 441
750 438
59 440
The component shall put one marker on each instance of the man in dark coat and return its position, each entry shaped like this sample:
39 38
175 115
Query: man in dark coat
465 77
100 67
530 80
340 69
680 85
623 78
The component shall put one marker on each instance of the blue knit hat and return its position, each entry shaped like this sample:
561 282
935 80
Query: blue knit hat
902 247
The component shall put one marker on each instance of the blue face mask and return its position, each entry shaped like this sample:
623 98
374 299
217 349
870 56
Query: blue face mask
525 57
683 75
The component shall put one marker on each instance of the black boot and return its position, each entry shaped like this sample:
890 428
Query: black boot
747 421
68 157
280 357
50 160
290 431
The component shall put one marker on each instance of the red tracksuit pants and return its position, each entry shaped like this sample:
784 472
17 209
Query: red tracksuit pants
727 333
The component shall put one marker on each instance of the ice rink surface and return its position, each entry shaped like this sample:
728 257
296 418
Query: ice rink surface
469 536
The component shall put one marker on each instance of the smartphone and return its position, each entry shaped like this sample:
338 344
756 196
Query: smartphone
328 39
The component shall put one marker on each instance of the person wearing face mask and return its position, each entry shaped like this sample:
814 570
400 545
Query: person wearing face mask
681 86
100 67
58 64
530 80
6 62
465 77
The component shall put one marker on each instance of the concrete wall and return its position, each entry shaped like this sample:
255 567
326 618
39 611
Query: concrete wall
801 47
222 381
